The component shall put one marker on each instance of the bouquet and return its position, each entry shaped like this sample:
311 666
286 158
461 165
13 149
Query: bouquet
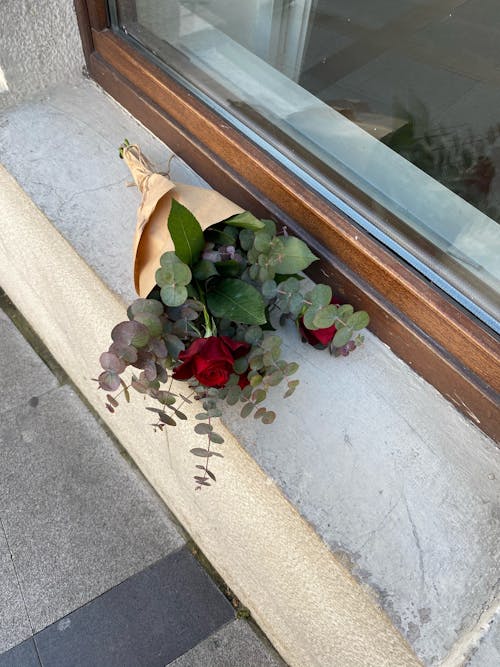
208 316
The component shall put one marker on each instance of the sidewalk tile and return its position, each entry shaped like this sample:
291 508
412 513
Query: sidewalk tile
146 621
234 645
78 518
14 623
23 373
22 655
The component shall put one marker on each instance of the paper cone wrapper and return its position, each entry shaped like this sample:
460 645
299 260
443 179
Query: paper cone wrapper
152 237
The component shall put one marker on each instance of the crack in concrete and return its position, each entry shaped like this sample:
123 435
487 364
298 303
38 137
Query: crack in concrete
418 545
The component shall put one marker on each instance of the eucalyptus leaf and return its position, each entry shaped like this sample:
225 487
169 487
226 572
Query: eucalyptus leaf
151 321
262 241
202 453
296 256
269 289
246 239
145 306
320 295
269 417
309 316
173 295
203 429
246 410
345 311
237 301
358 320
253 335
325 317
342 336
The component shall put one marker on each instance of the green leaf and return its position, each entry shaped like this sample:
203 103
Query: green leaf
202 453
275 378
145 306
253 335
203 429
296 257
320 295
270 227
240 365
233 395
150 321
342 337
229 268
246 221
291 368
204 269
246 410
358 320
259 395
309 316
345 311
173 296
237 301
269 289
215 437
246 239
186 233
262 241
325 317
292 385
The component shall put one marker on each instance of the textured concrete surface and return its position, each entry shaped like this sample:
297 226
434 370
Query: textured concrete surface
23 373
397 483
487 653
233 646
14 622
78 520
69 164
39 47
303 598
402 488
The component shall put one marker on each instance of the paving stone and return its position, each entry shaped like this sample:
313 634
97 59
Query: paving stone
148 620
14 623
79 520
233 646
23 373
22 655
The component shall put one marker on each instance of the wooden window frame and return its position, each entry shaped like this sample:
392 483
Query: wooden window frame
442 342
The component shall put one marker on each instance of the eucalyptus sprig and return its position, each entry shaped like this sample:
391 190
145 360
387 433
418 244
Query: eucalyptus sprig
210 322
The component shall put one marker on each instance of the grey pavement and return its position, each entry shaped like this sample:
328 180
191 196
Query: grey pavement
93 569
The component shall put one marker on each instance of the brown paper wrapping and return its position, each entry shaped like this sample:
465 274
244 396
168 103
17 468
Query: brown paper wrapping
152 237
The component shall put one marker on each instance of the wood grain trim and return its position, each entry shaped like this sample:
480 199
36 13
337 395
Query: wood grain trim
472 345
82 16
98 14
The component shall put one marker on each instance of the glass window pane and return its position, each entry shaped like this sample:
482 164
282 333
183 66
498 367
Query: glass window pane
394 104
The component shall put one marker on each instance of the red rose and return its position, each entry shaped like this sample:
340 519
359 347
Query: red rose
210 360
318 337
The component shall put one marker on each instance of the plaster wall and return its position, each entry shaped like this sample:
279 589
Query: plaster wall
39 47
